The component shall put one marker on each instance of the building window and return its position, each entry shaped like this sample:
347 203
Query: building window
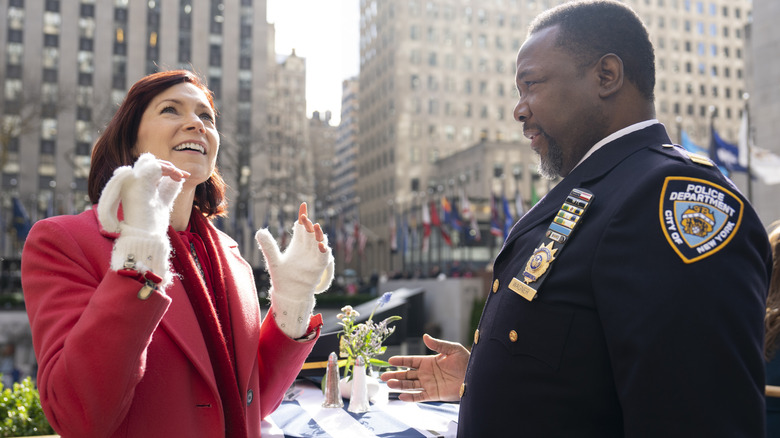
498 170
47 147
13 144
14 36
215 55
51 57
53 5
217 9
51 40
87 10
50 75
83 113
415 82
120 15
13 71
215 84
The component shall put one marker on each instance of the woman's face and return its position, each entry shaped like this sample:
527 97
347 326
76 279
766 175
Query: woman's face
179 126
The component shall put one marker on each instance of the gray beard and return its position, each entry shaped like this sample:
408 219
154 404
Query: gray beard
552 161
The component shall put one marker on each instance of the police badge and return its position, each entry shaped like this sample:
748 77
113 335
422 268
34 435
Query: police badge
538 263
559 231
698 217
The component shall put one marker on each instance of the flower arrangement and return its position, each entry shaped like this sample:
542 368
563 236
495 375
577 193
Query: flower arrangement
364 339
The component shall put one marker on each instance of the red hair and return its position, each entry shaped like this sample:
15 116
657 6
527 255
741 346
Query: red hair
115 146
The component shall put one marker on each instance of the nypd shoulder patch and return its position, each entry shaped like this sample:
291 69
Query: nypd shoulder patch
698 217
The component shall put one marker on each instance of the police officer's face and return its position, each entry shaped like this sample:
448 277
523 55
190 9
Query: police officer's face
558 103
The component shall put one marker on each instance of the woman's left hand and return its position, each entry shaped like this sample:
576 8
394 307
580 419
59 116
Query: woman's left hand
304 269
310 227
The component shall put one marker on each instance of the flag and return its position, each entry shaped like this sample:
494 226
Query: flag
534 196
267 218
281 230
219 223
690 146
341 235
508 220
763 163
724 154
474 232
469 215
351 239
21 222
436 222
250 215
50 205
426 220
495 223
451 215
360 238
404 232
413 228
519 207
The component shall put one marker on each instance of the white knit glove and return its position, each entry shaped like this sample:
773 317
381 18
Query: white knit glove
296 275
147 198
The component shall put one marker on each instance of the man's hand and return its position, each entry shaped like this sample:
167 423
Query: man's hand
437 378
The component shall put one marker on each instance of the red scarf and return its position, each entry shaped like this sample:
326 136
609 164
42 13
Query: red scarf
209 300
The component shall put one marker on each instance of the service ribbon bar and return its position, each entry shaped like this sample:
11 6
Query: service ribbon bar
569 215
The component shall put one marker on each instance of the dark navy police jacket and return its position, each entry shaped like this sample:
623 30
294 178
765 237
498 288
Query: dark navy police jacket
650 320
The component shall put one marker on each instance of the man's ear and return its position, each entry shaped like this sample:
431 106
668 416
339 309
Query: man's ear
611 75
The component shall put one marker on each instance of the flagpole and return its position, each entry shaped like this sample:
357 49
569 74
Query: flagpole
746 98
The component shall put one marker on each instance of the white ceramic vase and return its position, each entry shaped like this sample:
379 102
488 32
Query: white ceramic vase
345 387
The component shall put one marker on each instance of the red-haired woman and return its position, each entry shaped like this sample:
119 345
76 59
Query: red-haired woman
145 317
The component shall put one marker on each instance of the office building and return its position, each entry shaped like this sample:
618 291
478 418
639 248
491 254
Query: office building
66 65
438 77
763 101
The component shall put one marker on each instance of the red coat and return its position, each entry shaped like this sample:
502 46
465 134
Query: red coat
111 364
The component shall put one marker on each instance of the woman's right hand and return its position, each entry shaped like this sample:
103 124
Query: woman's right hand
146 191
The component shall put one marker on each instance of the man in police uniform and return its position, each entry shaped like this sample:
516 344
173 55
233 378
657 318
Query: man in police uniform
630 300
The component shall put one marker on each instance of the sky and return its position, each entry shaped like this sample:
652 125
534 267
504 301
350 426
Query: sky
327 34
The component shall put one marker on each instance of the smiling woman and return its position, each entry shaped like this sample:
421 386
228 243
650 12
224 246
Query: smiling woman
179 126
141 306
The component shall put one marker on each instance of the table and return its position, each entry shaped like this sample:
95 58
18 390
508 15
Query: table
302 415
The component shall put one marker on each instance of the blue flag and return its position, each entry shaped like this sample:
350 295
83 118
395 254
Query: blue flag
690 146
508 219
495 223
22 222
724 154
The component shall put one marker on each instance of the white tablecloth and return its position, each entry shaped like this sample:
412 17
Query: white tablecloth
305 417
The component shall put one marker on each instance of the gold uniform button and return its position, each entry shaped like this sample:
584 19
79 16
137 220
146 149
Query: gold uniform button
476 336
513 336
462 389
495 286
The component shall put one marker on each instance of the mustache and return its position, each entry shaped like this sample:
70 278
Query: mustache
534 129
